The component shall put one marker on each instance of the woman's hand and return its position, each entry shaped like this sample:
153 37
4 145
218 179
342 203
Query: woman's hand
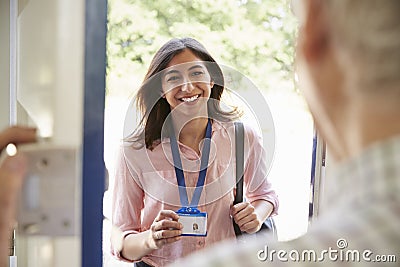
165 229
246 217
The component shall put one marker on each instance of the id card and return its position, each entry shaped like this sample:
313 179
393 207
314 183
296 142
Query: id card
194 224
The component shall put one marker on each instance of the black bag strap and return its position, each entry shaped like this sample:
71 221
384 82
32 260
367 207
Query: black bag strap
239 151
268 227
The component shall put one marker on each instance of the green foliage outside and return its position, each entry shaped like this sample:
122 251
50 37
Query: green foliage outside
255 37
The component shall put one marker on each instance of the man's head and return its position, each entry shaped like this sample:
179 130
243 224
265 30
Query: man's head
349 64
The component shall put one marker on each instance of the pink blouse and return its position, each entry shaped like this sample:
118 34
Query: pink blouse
145 183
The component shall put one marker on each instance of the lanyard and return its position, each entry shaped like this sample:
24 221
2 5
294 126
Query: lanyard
179 170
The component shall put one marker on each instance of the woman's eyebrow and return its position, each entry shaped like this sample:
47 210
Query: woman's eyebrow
196 66
171 71
191 68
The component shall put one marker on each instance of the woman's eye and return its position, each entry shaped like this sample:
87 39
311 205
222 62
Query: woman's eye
197 73
173 78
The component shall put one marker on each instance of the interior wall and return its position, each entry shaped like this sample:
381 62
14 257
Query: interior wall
4 63
50 89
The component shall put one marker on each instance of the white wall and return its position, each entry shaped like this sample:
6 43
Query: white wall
50 89
4 62
50 67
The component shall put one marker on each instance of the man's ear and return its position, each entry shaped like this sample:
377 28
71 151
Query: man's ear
314 31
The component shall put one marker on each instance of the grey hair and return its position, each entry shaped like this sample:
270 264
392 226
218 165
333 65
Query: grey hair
367 33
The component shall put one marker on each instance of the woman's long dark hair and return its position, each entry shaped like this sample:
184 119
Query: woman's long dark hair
155 109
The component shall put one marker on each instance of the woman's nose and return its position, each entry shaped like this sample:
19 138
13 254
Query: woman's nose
187 86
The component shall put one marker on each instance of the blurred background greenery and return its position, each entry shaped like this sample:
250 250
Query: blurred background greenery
255 37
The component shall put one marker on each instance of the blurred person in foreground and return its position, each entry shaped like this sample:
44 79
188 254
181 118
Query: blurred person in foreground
348 58
12 171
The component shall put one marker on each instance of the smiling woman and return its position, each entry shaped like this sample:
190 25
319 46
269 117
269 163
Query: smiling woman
177 168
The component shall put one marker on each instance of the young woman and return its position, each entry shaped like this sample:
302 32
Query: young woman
178 168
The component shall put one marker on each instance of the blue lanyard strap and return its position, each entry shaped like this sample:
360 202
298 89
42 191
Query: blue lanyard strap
205 153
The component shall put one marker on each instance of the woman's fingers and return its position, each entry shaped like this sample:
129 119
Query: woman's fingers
163 214
164 234
166 229
241 210
249 227
163 237
167 224
249 218
246 217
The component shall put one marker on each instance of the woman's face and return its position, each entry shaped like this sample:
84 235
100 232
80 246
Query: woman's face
186 83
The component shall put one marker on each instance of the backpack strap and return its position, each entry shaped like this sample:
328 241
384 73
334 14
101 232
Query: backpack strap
268 227
239 152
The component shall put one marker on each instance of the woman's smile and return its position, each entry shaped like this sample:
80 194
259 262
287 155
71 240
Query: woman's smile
190 99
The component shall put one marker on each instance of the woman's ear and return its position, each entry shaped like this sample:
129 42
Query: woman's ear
212 83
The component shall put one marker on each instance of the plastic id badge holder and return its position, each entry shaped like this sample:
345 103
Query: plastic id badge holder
194 222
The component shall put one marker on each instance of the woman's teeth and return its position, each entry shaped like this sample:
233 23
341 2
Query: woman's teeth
190 99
